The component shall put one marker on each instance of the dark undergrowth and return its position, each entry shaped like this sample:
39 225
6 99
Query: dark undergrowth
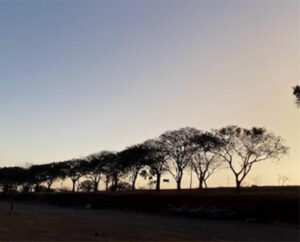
265 204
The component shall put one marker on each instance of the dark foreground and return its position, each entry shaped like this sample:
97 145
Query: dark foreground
36 221
262 204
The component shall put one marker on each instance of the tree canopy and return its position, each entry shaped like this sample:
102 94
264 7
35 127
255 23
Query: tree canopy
242 148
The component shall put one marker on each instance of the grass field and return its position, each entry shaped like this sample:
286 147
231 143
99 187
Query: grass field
35 221
262 204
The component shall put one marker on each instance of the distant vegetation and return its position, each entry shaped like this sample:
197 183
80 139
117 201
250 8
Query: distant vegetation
296 93
232 147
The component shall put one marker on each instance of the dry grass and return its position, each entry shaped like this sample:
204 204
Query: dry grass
42 222
275 204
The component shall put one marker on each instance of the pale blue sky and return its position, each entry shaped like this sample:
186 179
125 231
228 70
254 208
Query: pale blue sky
79 77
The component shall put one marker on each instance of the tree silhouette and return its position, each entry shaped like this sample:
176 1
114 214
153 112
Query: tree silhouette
86 186
133 160
11 178
179 148
113 169
53 172
296 92
96 168
75 169
242 148
156 160
205 161
171 152
38 174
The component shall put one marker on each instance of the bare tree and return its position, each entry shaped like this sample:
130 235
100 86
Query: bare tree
242 148
204 161
179 148
157 162
282 180
296 92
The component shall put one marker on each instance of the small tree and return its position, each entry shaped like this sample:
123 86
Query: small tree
204 161
179 148
86 186
282 180
296 92
121 186
242 148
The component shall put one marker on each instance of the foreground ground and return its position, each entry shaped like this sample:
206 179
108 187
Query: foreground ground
35 221
265 204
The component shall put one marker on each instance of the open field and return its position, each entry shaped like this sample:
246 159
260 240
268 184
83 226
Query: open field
36 221
264 204
259 214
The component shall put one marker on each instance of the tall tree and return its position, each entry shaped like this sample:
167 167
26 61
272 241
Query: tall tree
296 92
11 178
242 148
179 148
38 174
53 172
156 160
96 168
113 169
133 160
205 161
75 169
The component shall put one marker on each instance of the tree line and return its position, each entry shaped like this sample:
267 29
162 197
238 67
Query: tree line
231 147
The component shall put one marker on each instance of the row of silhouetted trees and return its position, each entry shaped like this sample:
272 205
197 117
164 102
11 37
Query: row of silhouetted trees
231 147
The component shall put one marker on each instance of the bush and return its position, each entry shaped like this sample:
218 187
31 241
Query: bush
86 186
122 186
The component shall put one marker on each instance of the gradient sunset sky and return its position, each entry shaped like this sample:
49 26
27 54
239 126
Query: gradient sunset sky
83 76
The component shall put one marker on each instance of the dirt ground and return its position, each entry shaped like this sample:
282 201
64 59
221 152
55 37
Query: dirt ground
36 222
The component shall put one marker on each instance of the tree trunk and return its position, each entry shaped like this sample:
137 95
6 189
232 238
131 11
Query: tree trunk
179 183
157 182
73 187
201 180
115 184
37 187
106 183
96 184
238 185
133 182
49 186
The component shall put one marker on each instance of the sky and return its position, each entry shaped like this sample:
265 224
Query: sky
77 77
